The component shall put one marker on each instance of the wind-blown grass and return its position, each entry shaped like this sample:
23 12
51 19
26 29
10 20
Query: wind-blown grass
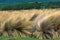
23 18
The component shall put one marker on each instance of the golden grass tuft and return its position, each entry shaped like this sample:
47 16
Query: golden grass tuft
19 22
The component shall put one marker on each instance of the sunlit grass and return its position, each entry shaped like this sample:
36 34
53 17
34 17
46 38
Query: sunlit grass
19 15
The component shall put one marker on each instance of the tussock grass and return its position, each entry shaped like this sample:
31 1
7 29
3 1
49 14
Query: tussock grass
18 23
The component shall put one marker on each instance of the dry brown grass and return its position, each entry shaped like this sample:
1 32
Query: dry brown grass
24 16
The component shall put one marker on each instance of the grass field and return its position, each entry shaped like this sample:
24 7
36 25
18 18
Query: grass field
23 16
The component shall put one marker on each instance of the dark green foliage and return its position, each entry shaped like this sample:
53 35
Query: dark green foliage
35 5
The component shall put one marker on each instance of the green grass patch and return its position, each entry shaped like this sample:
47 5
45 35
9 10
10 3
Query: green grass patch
16 38
22 38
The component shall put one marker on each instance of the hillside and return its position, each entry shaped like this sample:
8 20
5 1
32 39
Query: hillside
33 5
